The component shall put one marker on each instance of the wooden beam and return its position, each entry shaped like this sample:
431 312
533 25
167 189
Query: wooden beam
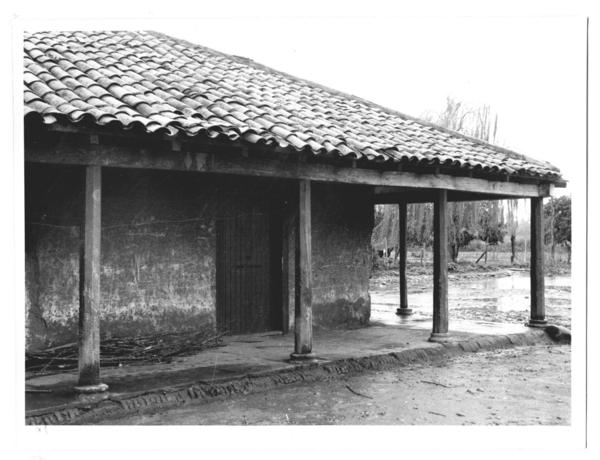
427 196
402 226
203 161
538 309
303 289
467 188
89 322
440 268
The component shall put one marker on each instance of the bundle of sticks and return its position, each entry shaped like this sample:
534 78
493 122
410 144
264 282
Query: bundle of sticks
127 350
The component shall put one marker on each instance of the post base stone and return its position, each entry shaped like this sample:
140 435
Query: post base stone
404 311
302 357
439 337
88 389
537 323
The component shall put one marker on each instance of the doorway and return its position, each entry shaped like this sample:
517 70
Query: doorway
249 267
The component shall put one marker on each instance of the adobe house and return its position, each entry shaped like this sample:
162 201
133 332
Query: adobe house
170 187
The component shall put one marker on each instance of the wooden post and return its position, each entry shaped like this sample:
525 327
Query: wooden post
403 310
303 288
285 272
89 323
538 309
440 268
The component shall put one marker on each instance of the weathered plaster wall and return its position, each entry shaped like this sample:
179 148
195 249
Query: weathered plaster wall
158 245
158 253
342 222
53 215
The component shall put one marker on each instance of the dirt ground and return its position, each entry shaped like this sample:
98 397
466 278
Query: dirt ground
489 293
420 276
520 386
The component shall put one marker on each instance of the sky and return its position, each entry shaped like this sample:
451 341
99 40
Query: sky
530 71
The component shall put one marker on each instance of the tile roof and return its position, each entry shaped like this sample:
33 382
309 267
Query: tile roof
161 84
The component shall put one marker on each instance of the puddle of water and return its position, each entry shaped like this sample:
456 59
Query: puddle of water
506 296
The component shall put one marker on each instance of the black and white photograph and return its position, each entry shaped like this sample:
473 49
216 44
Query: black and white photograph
236 221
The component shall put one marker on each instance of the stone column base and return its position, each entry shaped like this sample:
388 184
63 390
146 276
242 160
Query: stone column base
302 357
439 337
88 389
404 311
537 323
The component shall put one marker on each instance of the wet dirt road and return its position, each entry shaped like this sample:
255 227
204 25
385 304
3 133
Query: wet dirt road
520 386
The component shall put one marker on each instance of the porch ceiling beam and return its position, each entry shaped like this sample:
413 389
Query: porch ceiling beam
385 181
473 190
428 196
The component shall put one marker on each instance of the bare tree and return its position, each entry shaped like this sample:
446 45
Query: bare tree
465 218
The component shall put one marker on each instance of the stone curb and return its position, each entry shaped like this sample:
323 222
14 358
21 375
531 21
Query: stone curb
172 396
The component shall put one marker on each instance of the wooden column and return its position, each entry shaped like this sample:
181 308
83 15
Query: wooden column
403 310
303 288
440 267
538 309
89 324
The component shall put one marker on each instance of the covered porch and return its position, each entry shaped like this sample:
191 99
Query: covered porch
440 200
94 151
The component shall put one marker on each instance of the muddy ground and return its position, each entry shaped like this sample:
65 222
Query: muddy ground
420 276
520 386
492 293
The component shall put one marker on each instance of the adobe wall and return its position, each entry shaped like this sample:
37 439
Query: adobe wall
342 221
159 252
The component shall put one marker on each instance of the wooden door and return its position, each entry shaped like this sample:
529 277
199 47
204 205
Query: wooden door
244 252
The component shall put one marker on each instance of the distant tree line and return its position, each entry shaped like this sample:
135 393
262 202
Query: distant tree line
467 221
557 219
488 221
492 222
